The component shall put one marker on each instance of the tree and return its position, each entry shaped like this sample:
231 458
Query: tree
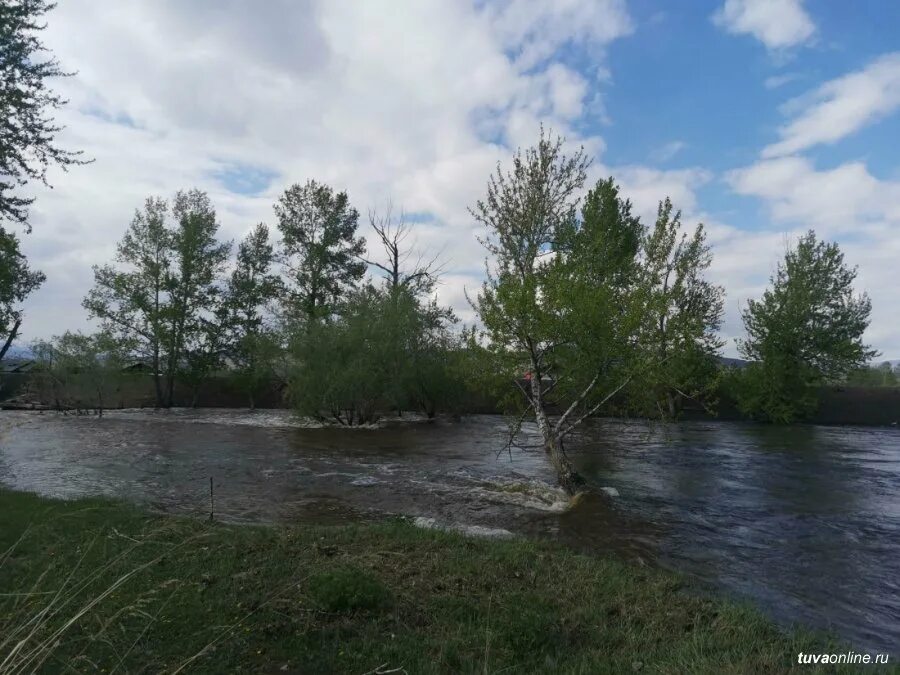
27 131
320 249
253 346
683 313
527 211
195 315
132 300
17 281
419 278
807 329
164 294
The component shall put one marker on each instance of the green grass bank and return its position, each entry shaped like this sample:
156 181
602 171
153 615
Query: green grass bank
99 586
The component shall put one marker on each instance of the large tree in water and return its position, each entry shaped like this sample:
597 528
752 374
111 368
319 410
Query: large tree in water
567 296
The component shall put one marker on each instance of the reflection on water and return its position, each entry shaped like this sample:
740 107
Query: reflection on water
805 521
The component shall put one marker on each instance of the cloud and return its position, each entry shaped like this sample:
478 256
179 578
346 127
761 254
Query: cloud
778 24
840 107
666 152
414 101
533 29
780 80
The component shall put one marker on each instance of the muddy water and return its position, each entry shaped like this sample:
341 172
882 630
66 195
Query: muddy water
804 521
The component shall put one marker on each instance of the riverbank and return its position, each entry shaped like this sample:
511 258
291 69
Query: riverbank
99 584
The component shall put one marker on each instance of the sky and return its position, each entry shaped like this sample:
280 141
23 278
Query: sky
759 118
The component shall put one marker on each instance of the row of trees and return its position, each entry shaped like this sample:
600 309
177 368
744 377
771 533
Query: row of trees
300 311
591 306
597 307
583 306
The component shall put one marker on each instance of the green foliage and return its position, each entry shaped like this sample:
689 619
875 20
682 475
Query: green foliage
339 368
884 375
320 249
17 281
385 350
585 306
253 346
164 295
195 313
78 371
27 131
347 589
806 330
681 316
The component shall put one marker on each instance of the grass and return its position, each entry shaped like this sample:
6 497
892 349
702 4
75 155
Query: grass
99 586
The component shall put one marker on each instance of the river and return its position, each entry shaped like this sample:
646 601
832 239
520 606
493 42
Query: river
803 521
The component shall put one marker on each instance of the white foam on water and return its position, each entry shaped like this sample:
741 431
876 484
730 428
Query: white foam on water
461 528
526 493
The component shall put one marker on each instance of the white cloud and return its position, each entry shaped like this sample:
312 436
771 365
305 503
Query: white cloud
667 151
534 29
778 24
776 81
840 107
415 101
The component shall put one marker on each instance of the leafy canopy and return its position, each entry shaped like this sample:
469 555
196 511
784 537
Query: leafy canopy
806 329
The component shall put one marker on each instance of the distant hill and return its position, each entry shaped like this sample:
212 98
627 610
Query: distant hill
732 362
17 352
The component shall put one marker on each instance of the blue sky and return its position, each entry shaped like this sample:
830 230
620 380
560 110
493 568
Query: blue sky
759 118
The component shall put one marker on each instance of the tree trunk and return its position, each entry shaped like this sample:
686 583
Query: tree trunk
569 479
156 383
13 334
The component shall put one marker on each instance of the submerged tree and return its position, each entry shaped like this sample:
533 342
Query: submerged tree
17 281
320 250
583 307
340 369
527 211
806 330
27 130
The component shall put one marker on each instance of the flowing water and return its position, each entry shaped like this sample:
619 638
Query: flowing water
803 521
